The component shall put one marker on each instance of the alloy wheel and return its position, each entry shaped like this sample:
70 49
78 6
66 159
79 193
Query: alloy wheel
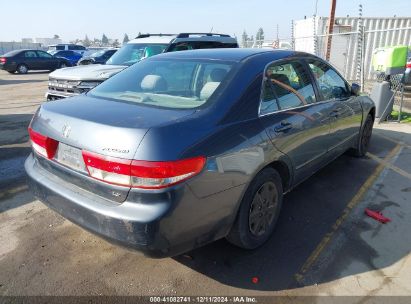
263 209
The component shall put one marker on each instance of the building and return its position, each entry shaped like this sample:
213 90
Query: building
351 37
48 41
26 40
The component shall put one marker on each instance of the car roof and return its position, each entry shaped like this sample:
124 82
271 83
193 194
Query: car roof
154 39
183 37
226 54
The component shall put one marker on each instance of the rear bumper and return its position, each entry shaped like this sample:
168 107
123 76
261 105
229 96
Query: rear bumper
159 225
126 224
8 67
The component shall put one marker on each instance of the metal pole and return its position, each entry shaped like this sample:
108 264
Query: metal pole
331 22
315 34
359 47
362 83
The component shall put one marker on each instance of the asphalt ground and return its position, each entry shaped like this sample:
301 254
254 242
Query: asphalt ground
323 244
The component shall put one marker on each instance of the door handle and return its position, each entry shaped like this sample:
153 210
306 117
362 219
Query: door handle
285 125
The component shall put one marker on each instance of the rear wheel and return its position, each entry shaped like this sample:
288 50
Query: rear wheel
22 69
259 211
364 137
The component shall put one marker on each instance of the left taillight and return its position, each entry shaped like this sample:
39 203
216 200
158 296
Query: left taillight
141 174
3 60
43 145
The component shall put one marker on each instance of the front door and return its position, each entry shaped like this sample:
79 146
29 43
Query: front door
295 121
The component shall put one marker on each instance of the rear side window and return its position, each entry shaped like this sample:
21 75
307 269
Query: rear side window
30 54
76 47
331 85
286 85
196 45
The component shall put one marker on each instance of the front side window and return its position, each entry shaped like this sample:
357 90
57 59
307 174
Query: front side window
43 54
286 85
166 83
134 52
331 85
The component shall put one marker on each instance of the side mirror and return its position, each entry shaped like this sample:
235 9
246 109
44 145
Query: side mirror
355 89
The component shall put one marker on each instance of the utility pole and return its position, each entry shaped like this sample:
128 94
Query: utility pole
331 22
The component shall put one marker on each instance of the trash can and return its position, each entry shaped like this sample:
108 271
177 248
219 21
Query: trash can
382 95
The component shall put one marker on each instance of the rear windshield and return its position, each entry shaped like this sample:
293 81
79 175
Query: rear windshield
166 83
134 52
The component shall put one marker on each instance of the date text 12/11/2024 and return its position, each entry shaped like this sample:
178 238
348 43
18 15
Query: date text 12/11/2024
203 299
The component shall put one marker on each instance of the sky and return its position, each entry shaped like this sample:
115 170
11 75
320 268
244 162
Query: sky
76 18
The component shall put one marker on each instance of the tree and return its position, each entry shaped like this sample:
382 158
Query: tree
126 39
259 37
86 41
244 39
56 37
116 43
104 39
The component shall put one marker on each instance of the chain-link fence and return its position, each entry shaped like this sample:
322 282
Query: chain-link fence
6 47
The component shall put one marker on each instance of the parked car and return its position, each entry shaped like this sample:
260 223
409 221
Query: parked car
67 47
80 79
99 57
24 60
72 56
186 148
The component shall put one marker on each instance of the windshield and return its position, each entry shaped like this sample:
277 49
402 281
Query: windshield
134 52
166 83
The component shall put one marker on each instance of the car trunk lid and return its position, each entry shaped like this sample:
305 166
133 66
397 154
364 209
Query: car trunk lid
108 128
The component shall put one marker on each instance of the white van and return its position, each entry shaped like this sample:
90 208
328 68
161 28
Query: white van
67 47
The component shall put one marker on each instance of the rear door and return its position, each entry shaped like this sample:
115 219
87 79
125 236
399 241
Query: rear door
31 60
295 121
346 111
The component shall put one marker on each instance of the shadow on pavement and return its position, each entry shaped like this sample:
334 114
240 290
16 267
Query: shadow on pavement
13 129
308 214
14 148
19 81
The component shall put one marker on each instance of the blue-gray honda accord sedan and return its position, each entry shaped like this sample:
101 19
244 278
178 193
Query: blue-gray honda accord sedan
189 147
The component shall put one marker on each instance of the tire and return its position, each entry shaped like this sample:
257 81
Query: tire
258 215
364 138
22 69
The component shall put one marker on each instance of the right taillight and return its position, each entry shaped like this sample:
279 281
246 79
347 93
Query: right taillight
408 65
43 145
141 174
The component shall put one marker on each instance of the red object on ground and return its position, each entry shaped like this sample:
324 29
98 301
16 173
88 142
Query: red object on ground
254 280
377 215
